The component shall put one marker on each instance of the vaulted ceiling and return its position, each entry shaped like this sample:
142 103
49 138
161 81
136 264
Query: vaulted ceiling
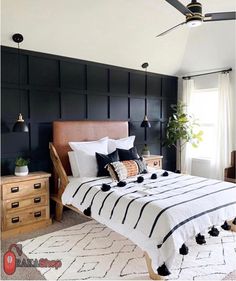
122 32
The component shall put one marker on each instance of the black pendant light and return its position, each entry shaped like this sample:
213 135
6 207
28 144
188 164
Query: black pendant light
145 123
20 125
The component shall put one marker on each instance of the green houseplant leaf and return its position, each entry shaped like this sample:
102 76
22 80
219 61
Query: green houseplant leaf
182 128
21 162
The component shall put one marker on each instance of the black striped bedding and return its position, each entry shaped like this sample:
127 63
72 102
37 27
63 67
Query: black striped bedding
159 215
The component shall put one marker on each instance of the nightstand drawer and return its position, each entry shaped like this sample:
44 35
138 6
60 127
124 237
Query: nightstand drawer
155 163
28 216
13 205
24 188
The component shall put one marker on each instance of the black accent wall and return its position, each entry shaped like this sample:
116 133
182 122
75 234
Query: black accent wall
60 88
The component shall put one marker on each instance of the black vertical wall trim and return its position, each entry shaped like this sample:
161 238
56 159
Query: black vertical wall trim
60 105
86 88
28 107
108 81
129 83
86 106
128 107
85 78
30 146
55 87
60 93
109 107
27 70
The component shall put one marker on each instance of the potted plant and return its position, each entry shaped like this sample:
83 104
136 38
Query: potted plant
21 168
181 129
145 151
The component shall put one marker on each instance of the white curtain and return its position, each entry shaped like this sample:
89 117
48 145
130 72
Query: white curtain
223 142
186 163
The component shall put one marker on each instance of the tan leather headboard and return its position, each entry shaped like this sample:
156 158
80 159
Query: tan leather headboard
65 131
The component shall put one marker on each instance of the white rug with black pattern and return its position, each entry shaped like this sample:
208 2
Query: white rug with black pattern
93 251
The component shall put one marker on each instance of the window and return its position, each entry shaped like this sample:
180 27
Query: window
204 105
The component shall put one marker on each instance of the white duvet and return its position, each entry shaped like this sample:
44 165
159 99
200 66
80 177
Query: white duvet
158 215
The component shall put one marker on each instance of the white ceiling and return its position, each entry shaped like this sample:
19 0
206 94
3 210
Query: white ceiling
122 32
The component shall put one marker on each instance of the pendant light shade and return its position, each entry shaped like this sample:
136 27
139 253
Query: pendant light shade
145 123
20 125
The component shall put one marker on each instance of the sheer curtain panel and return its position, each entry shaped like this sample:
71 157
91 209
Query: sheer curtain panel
223 141
188 87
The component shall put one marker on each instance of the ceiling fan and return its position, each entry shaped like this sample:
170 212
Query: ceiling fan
194 16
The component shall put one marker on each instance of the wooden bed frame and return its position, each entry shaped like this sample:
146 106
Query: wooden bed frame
65 131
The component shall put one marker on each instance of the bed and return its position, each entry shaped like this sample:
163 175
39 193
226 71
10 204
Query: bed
159 215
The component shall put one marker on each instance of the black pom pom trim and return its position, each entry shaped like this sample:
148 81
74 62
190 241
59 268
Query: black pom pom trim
154 176
177 171
200 239
140 179
121 183
226 226
183 250
163 270
214 231
144 172
165 174
105 187
87 212
234 221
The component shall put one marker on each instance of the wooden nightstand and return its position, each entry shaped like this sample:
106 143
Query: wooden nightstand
24 203
154 161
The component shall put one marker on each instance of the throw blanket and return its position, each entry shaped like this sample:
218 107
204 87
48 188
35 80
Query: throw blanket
159 215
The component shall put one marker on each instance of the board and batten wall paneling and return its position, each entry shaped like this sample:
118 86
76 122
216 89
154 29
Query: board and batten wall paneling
59 88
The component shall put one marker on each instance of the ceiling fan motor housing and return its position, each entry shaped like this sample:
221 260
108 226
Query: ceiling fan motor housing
195 19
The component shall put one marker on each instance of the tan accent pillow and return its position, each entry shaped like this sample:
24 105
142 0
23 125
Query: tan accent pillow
121 170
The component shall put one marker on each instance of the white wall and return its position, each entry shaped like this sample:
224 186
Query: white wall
121 32
116 32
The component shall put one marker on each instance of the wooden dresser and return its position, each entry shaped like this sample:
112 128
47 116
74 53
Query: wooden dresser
154 161
24 203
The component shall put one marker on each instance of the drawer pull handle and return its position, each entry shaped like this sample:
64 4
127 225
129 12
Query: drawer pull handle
15 204
14 189
155 163
37 185
15 219
37 200
37 214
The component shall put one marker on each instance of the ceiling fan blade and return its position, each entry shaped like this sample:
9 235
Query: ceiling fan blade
179 6
168 30
220 16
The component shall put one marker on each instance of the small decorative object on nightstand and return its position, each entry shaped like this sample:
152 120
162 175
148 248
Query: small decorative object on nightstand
154 161
21 168
24 203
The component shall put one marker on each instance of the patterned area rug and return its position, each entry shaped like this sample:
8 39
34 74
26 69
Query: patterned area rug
93 251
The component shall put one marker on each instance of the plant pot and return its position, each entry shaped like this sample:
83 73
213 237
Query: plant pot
145 152
21 171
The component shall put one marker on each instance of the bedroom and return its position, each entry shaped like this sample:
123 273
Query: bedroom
83 61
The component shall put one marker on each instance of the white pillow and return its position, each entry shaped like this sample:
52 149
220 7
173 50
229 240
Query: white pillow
90 146
87 164
73 163
125 143
85 156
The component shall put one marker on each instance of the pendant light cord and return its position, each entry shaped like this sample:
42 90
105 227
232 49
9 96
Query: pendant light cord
19 69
